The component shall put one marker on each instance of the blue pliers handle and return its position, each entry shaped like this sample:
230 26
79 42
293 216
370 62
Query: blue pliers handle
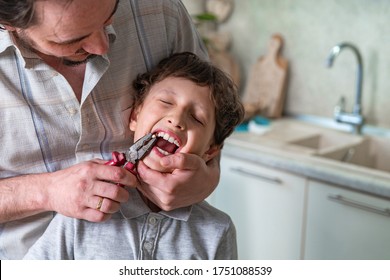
136 152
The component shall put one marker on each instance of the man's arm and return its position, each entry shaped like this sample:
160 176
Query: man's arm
21 197
75 192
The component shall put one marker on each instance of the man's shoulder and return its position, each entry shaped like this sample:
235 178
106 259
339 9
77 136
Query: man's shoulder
154 6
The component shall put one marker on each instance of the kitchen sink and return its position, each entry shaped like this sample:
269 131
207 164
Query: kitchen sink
302 138
327 141
371 152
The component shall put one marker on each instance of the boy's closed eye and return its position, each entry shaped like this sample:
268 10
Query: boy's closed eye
166 102
197 119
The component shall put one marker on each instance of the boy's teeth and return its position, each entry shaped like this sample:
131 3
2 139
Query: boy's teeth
166 137
163 152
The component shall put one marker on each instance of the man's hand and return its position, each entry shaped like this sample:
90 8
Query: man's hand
89 190
191 181
75 192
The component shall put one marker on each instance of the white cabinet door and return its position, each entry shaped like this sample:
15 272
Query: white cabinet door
266 206
344 224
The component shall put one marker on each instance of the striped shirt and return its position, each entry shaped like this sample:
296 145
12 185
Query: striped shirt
45 128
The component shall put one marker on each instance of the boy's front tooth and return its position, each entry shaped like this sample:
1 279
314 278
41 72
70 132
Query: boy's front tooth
166 137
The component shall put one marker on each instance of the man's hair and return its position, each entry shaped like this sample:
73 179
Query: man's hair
229 110
19 14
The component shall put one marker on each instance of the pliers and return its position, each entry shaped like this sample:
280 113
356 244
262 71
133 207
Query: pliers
136 152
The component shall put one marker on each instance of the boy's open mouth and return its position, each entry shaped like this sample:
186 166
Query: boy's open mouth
166 144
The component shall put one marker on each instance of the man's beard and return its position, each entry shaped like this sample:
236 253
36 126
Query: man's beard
68 62
27 43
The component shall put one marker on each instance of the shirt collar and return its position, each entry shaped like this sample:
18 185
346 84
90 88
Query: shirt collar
5 40
136 207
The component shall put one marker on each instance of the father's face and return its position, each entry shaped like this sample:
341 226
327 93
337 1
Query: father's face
73 32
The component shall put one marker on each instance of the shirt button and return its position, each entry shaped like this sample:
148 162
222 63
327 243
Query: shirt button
72 111
152 220
148 245
85 146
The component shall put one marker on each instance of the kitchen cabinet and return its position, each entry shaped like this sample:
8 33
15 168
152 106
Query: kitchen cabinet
345 224
267 208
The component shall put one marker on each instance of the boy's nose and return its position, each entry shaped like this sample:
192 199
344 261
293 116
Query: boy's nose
177 120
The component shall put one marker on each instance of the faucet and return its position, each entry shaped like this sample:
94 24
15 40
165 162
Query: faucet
355 118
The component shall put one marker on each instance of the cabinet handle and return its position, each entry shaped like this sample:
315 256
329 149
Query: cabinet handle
340 199
273 180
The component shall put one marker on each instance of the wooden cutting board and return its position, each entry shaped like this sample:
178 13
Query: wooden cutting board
266 85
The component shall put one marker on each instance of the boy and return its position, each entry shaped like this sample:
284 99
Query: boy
191 106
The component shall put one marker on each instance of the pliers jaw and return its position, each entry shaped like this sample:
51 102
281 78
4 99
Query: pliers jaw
140 148
136 152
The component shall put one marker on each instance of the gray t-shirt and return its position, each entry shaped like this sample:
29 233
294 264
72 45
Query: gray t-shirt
199 231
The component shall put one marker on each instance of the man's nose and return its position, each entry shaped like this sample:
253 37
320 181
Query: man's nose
97 43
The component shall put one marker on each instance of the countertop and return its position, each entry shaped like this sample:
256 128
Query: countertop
254 148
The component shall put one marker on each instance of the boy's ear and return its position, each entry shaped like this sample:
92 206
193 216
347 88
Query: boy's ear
133 119
212 152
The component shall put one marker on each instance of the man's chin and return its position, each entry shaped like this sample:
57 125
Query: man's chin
73 63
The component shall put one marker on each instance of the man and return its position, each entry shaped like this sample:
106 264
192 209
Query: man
66 71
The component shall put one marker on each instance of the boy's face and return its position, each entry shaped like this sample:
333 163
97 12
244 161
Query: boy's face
180 111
